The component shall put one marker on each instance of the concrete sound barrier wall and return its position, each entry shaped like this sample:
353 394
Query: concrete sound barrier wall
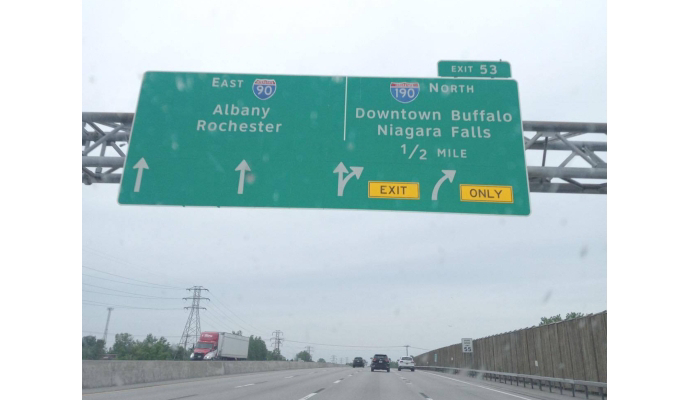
104 373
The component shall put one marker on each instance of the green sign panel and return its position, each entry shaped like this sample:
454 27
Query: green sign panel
404 144
474 69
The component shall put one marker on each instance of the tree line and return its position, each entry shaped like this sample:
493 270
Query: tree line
126 347
557 318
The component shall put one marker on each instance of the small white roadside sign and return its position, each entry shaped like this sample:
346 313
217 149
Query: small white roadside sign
467 345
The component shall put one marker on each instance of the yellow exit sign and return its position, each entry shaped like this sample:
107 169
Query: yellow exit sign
394 190
486 193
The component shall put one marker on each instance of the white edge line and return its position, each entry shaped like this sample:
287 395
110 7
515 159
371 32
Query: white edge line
345 119
483 387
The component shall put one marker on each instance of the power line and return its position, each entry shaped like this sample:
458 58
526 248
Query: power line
109 256
230 320
94 303
133 284
254 330
135 280
342 345
214 325
114 258
219 320
159 286
120 291
133 334
133 297
242 321
221 312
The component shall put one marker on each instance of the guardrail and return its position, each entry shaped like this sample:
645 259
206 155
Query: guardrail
506 376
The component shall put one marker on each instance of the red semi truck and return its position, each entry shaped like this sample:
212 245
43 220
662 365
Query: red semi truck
220 346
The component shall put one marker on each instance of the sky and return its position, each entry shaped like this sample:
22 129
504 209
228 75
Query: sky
359 278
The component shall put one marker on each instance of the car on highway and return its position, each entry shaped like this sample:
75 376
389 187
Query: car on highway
407 363
358 362
380 361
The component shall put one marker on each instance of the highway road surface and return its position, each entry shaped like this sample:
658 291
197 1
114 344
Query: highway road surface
325 383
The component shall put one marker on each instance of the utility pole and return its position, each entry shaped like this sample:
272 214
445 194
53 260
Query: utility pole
109 314
407 346
190 334
277 340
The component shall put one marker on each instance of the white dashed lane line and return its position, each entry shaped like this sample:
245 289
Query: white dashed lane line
308 396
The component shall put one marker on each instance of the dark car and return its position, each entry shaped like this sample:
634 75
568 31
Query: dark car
380 361
358 362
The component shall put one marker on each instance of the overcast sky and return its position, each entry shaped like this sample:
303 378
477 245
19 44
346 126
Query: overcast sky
348 277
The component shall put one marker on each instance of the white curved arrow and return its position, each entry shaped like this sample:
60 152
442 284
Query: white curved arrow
449 174
141 165
342 181
243 167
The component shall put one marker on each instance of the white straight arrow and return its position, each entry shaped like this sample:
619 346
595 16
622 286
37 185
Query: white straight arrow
141 165
243 167
449 174
342 181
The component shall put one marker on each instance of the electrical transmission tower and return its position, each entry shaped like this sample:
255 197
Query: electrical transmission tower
109 314
309 349
190 334
277 340
333 359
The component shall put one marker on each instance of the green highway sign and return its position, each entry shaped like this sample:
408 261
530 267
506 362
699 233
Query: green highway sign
474 69
404 144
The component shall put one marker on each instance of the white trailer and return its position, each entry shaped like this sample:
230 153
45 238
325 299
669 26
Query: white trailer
230 347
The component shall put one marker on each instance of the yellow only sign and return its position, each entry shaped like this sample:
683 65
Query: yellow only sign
394 190
486 193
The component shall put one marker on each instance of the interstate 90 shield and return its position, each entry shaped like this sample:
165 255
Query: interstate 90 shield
404 92
264 88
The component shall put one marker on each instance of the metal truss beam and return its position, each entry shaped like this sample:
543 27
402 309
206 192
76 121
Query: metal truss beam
102 132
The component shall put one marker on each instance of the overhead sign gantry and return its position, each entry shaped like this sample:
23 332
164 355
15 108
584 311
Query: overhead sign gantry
405 144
